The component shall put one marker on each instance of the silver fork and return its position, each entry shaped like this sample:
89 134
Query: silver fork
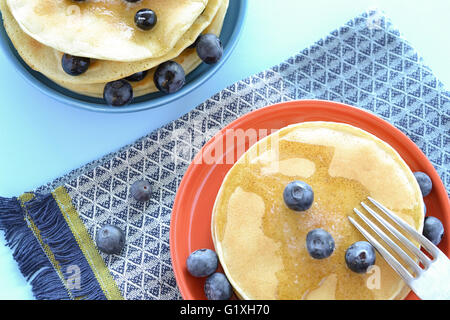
430 283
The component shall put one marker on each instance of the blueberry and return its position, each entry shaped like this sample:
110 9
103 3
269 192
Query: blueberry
209 48
118 93
141 190
217 287
202 263
74 65
298 196
320 243
145 19
138 76
360 256
433 229
169 77
110 239
424 181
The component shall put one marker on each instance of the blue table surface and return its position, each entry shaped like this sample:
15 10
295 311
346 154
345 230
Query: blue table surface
42 139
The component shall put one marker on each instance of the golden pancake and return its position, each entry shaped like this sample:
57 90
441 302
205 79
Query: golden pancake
47 60
261 243
106 29
188 59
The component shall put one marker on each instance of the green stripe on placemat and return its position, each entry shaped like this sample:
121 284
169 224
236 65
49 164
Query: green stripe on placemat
85 243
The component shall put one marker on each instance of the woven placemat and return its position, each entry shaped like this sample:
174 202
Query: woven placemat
365 63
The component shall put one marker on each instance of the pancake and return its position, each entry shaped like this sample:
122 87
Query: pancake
47 60
261 243
106 29
188 59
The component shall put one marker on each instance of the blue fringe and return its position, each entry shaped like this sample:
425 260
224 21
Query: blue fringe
56 234
27 251
46 215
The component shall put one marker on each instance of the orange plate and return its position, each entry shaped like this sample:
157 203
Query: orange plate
190 227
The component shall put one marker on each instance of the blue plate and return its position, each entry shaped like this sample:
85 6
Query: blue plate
231 30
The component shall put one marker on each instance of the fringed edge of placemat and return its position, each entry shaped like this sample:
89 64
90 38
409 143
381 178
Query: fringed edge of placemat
53 249
27 252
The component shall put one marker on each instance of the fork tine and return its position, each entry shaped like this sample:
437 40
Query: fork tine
411 263
406 276
427 244
425 260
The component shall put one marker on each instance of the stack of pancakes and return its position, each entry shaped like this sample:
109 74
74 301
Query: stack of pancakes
42 31
261 243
